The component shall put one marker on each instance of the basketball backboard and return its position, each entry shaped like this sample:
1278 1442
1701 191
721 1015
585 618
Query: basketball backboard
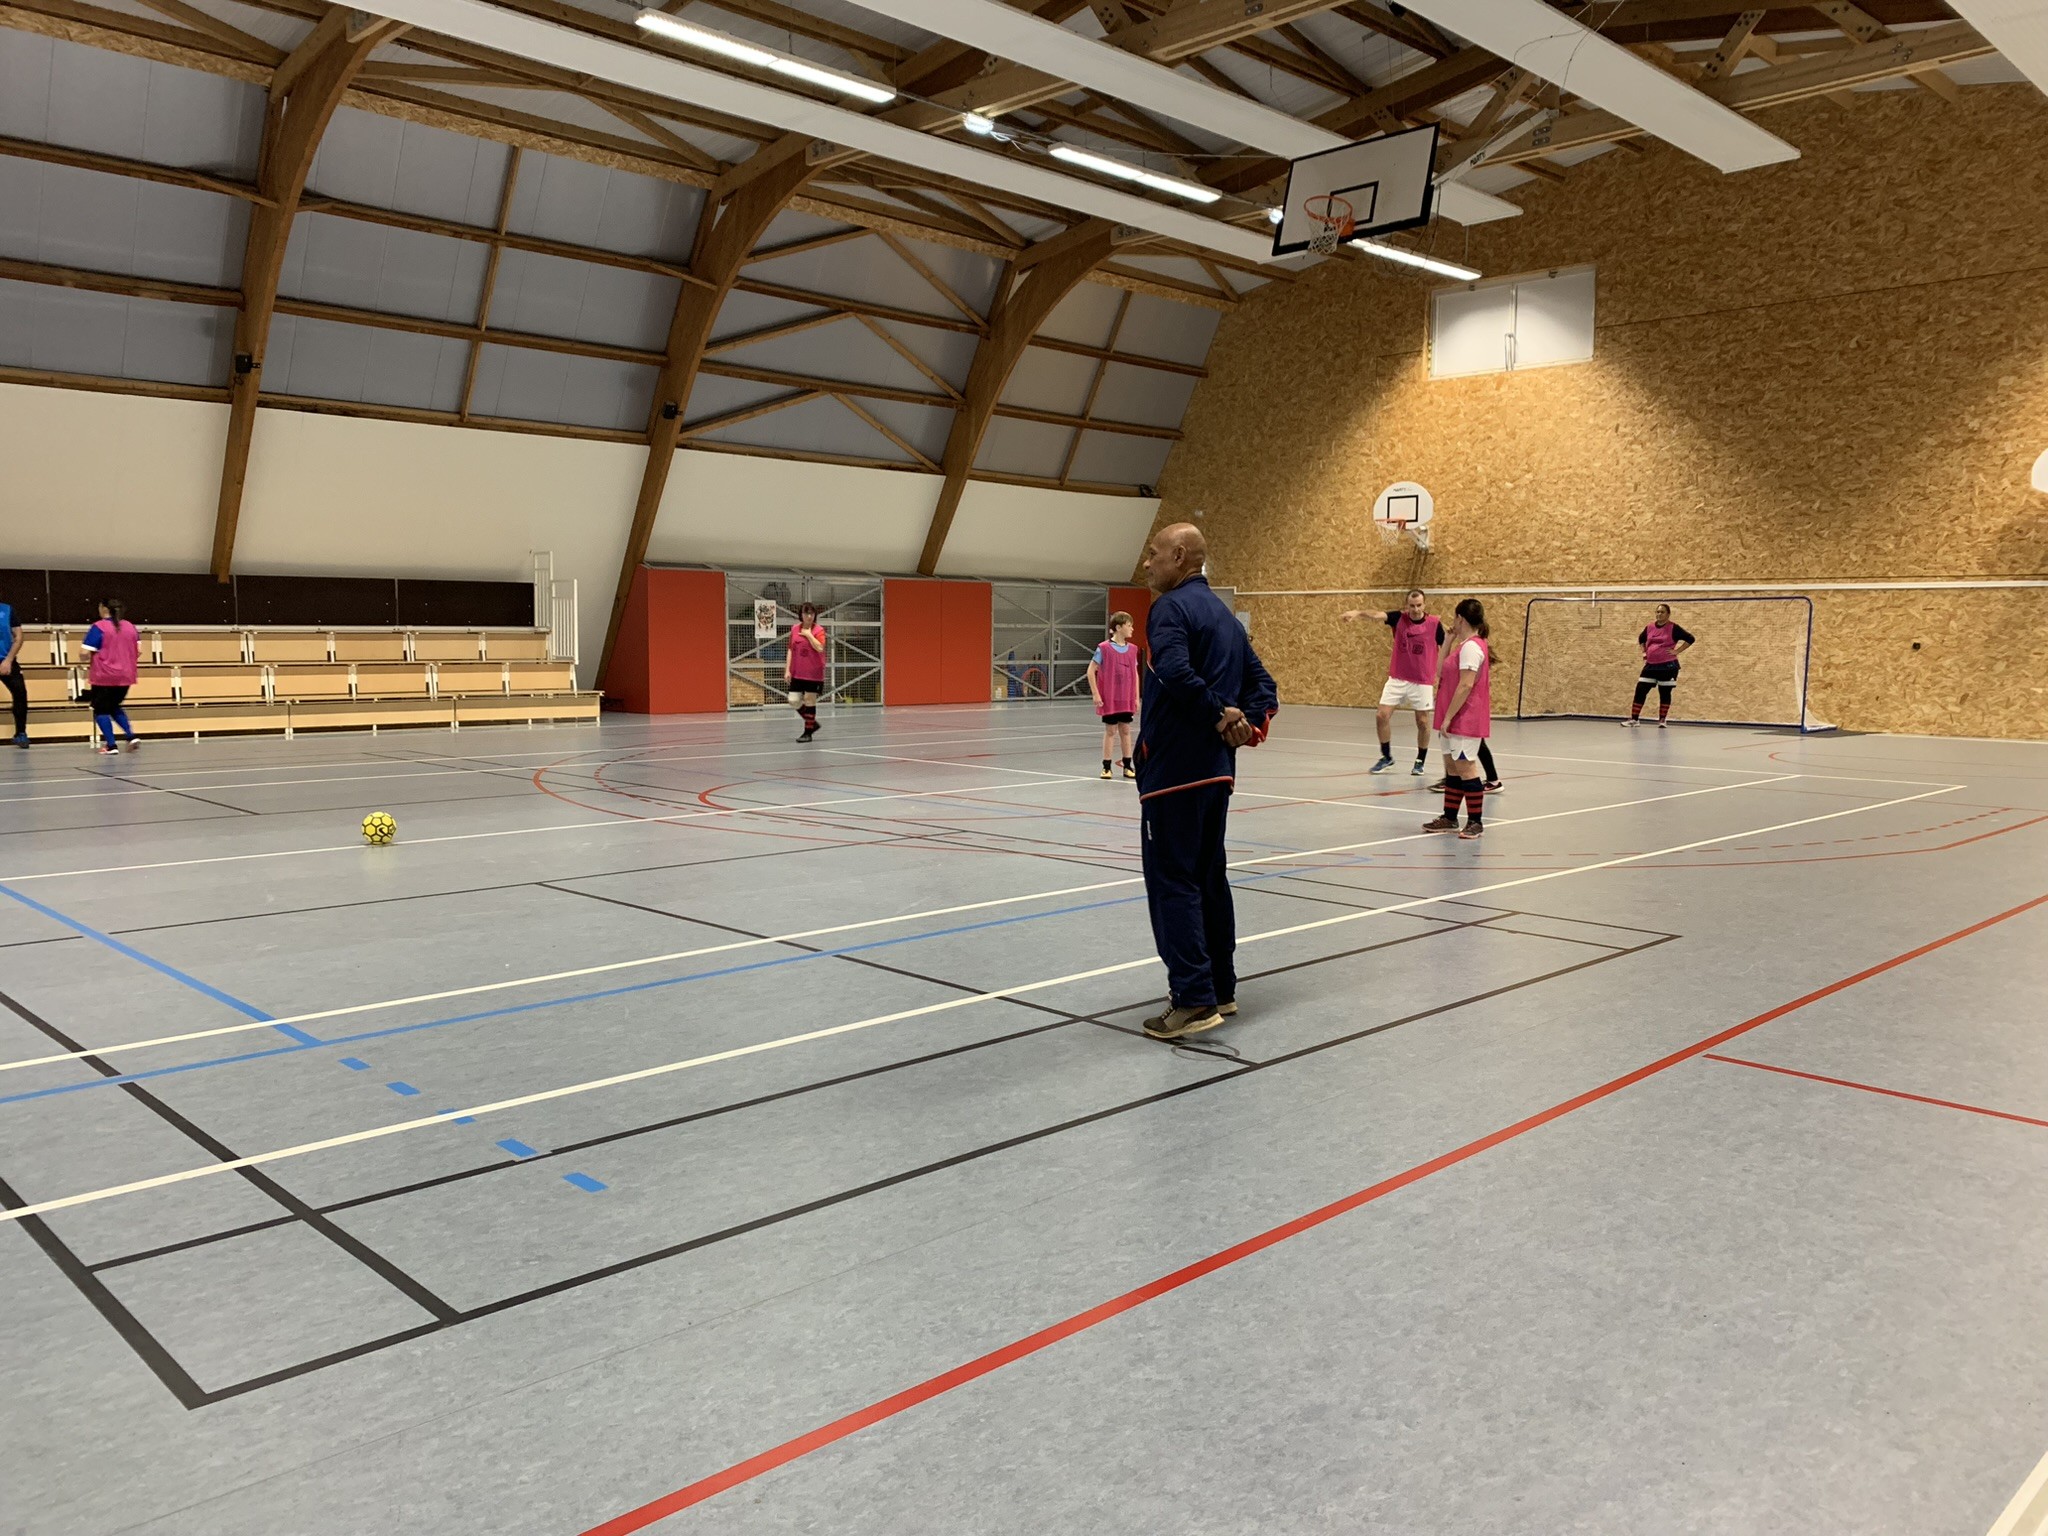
1374 186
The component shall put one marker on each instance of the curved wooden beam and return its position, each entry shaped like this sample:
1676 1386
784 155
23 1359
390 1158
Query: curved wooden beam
1055 266
304 91
727 233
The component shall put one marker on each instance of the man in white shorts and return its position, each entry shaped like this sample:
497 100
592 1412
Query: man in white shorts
1411 673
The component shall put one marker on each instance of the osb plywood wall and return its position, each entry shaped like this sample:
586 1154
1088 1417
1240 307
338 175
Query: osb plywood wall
1834 369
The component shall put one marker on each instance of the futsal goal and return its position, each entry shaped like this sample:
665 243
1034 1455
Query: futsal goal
1748 665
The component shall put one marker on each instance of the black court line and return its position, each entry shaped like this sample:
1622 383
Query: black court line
300 1210
774 1218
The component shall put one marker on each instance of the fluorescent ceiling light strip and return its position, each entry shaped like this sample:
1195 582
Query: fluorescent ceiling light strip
2016 28
1126 76
665 25
528 37
1416 259
1193 191
1551 46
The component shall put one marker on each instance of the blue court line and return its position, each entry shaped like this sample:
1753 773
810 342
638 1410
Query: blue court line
355 1063
518 1148
404 1090
455 1119
583 1181
515 1009
247 1010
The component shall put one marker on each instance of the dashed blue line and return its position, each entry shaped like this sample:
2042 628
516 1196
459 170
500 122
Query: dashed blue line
455 1119
403 1090
355 1063
519 1148
583 1181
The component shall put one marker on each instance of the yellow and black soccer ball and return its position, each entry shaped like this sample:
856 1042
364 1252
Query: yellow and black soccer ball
379 828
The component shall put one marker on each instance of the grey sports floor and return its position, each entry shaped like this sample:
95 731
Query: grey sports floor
1491 1212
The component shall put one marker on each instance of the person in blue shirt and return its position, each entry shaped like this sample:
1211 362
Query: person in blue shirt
1206 696
10 673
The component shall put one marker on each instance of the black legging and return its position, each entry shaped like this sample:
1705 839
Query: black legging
17 694
1643 687
1486 762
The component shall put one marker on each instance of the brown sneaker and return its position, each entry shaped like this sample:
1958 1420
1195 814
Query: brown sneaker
1175 1022
1441 824
1471 831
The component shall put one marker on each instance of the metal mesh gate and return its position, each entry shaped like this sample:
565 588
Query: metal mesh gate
851 608
1044 635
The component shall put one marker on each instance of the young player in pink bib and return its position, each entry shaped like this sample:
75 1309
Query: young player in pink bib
1113 680
1464 718
804 670
114 647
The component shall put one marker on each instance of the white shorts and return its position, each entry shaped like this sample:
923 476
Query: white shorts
1466 747
1416 696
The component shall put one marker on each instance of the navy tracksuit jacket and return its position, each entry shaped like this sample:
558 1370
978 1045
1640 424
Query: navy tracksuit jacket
1202 663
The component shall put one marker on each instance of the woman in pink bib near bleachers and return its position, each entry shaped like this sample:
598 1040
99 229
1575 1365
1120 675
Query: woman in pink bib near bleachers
114 647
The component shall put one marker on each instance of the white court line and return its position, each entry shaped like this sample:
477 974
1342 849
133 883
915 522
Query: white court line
624 819
347 778
815 933
643 1074
1638 763
1398 810
952 762
2027 1514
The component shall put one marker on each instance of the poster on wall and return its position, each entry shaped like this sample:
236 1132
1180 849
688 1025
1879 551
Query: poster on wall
766 626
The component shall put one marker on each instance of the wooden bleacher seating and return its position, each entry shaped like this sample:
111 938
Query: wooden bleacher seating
203 681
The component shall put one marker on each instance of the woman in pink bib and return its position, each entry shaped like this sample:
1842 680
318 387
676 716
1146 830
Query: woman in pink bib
803 669
1464 718
1661 641
113 645
1113 680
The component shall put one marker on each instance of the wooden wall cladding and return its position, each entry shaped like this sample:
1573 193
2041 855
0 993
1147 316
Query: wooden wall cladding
1833 369
1581 658
1980 667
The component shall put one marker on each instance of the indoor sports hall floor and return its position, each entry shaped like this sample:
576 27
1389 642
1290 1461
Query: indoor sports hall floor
679 1129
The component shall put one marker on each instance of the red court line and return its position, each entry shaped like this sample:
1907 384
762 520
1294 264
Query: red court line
1890 1093
887 1408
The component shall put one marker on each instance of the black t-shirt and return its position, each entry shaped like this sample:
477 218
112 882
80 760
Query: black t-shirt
1393 617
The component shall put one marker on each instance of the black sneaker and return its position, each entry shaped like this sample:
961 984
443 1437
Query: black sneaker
805 737
1492 786
1176 1022
1441 785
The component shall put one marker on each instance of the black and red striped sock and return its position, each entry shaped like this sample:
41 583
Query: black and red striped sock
1475 799
1663 703
1454 794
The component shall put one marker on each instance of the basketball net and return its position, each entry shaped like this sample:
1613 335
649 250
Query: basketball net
1333 218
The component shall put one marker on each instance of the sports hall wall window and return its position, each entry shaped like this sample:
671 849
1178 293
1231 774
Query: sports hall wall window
1510 323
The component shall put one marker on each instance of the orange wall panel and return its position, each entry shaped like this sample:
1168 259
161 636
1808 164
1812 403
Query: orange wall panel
670 656
935 641
969 608
1137 602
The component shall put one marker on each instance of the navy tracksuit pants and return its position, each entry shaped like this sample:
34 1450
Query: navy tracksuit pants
1187 886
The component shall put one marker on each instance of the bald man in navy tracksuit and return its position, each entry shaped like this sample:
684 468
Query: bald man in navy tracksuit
1206 696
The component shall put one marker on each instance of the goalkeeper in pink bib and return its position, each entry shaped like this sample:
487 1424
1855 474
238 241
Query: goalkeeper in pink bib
1113 680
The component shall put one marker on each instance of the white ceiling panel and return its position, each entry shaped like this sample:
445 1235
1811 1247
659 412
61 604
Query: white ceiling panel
1086 314
399 271
2019 30
582 301
108 223
90 98
546 386
712 395
73 330
1156 327
1012 447
845 349
868 269
925 426
816 426
1111 458
1143 395
790 225
1050 381
586 204
950 353
364 365
368 158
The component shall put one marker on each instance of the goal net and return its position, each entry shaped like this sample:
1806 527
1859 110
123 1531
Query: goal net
1748 665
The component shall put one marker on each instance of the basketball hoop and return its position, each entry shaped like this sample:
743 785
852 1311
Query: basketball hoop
1419 532
1333 218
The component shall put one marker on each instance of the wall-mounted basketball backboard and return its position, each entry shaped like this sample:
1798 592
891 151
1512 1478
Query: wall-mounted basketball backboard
1368 188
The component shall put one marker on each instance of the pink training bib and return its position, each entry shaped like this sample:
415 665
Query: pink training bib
806 661
1660 644
1415 649
113 664
1116 677
1475 718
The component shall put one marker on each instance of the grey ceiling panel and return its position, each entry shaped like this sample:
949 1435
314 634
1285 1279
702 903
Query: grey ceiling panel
845 349
1023 447
329 361
712 396
750 312
104 223
556 297
285 32
545 386
1050 381
69 330
399 271
817 426
1111 458
1181 269
368 158
588 204
923 426
1085 315
949 353
864 269
787 226
1157 327
91 98
1143 395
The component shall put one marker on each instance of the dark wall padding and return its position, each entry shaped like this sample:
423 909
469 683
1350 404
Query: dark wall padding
157 597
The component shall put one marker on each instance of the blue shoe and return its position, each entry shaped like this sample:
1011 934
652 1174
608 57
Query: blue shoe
1381 766
1416 771
22 741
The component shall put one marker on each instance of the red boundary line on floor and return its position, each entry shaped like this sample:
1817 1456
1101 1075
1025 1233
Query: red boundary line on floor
888 1407
1890 1093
